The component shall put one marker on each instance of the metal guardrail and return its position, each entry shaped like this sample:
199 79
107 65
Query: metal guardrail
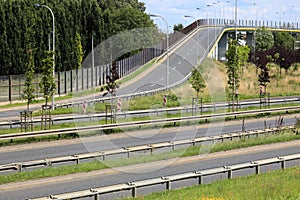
213 106
167 180
127 150
13 136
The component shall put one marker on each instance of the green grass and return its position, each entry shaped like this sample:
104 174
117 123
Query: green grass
275 185
181 152
118 130
286 86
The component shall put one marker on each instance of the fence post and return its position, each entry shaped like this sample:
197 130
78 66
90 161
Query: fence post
168 185
76 79
71 80
58 83
200 180
283 164
66 89
257 169
134 192
87 78
10 88
97 197
229 174
82 79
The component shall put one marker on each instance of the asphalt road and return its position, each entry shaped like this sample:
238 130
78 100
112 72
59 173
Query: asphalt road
182 60
44 187
107 142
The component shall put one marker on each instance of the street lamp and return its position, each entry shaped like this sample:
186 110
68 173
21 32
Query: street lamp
167 70
295 21
235 19
93 60
278 13
209 5
189 16
53 43
207 24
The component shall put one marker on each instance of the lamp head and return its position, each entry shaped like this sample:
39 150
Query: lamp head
37 5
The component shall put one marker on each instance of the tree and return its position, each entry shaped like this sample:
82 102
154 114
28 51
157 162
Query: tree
197 82
28 92
111 79
47 84
233 66
264 39
23 24
243 52
78 51
177 27
284 40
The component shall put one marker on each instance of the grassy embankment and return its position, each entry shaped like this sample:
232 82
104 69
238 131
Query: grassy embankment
284 84
275 185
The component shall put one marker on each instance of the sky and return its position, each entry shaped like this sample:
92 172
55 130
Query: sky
174 10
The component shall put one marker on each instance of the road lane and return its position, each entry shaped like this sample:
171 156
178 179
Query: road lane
28 152
44 187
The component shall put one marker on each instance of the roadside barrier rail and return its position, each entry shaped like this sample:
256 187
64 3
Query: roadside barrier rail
19 166
169 179
127 114
75 130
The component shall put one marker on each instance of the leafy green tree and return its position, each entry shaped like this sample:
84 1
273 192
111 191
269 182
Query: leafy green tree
177 27
233 68
47 84
264 39
23 24
78 51
197 82
28 92
243 54
284 39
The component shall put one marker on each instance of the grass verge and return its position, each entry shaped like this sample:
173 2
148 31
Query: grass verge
119 130
275 185
182 152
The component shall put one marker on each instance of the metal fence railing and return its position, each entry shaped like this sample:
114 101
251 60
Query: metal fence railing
11 87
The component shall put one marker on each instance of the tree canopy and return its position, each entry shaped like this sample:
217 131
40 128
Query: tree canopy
284 40
24 26
264 39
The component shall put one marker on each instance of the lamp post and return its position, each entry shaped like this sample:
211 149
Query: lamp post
277 13
295 21
235 19
207 24
209 5
93 60
167 37
53 43
189 16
